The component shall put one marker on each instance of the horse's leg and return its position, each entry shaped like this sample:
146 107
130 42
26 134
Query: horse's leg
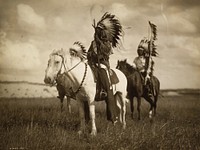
69 105
61 95
61 98
123 100
61 103
92 117
155 103
108 113
156 89
138 106
82 117
132 106
87 111
147 98
119 105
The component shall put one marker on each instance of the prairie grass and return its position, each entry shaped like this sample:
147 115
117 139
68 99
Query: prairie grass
36 123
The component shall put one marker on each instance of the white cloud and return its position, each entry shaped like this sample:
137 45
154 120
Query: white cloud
28 17
122 12
180 22
185 45
59 22
19 55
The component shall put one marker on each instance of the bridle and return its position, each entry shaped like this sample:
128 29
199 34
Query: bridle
72 93
63 64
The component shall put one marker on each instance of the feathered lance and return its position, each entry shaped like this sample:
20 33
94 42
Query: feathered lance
152 46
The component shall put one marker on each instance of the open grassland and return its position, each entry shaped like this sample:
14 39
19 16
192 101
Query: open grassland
39 124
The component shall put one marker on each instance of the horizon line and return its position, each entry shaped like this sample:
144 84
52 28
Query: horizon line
43 84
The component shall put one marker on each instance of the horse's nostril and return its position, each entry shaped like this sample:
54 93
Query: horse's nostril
47 80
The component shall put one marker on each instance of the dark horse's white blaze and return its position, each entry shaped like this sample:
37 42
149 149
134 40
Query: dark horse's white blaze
75 69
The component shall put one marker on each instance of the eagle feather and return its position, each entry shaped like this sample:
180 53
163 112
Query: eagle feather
78 50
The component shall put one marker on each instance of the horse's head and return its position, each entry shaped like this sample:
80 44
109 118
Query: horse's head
121 65
125 67
56 65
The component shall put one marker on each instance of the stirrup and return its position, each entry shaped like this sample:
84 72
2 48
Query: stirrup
150 94
115 121
103 93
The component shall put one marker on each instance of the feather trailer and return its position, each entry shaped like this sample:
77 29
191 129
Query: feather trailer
153 38
78 50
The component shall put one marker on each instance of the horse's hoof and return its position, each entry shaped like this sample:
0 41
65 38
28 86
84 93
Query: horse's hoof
150 114
124 126
132 115
93 133
151 120
115 121
80 133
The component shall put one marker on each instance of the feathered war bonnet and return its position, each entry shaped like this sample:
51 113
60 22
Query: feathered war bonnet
109 29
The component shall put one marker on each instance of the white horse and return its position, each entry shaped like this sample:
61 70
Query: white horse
78 80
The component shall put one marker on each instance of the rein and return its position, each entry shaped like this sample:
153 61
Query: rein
80 86
73 93
65 66
73 67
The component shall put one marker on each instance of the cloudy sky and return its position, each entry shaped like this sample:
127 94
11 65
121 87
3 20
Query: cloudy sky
30 30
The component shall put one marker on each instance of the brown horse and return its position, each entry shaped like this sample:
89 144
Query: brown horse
135 88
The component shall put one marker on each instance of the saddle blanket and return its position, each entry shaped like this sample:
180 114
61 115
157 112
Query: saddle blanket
113 76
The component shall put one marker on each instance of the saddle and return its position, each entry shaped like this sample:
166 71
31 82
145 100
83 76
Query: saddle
101 94
113 76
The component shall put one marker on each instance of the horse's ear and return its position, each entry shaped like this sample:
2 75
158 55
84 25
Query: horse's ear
125 60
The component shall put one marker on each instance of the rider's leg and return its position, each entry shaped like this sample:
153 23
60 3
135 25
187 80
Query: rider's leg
112 104
147 82
148 85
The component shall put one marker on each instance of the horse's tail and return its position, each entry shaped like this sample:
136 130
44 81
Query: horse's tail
122 98
156 85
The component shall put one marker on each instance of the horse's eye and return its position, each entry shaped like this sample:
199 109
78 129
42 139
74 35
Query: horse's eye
57 62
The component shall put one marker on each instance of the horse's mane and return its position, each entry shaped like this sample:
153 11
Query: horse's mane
130 67
59 52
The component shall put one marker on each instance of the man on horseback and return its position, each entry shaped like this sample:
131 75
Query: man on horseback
144 62
140 63
106 36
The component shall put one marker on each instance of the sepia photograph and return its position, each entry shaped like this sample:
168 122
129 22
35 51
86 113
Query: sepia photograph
99 75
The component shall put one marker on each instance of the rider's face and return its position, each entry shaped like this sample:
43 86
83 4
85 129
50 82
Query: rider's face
140 52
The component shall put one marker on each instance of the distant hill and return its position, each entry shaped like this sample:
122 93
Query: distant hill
25 89
176 92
